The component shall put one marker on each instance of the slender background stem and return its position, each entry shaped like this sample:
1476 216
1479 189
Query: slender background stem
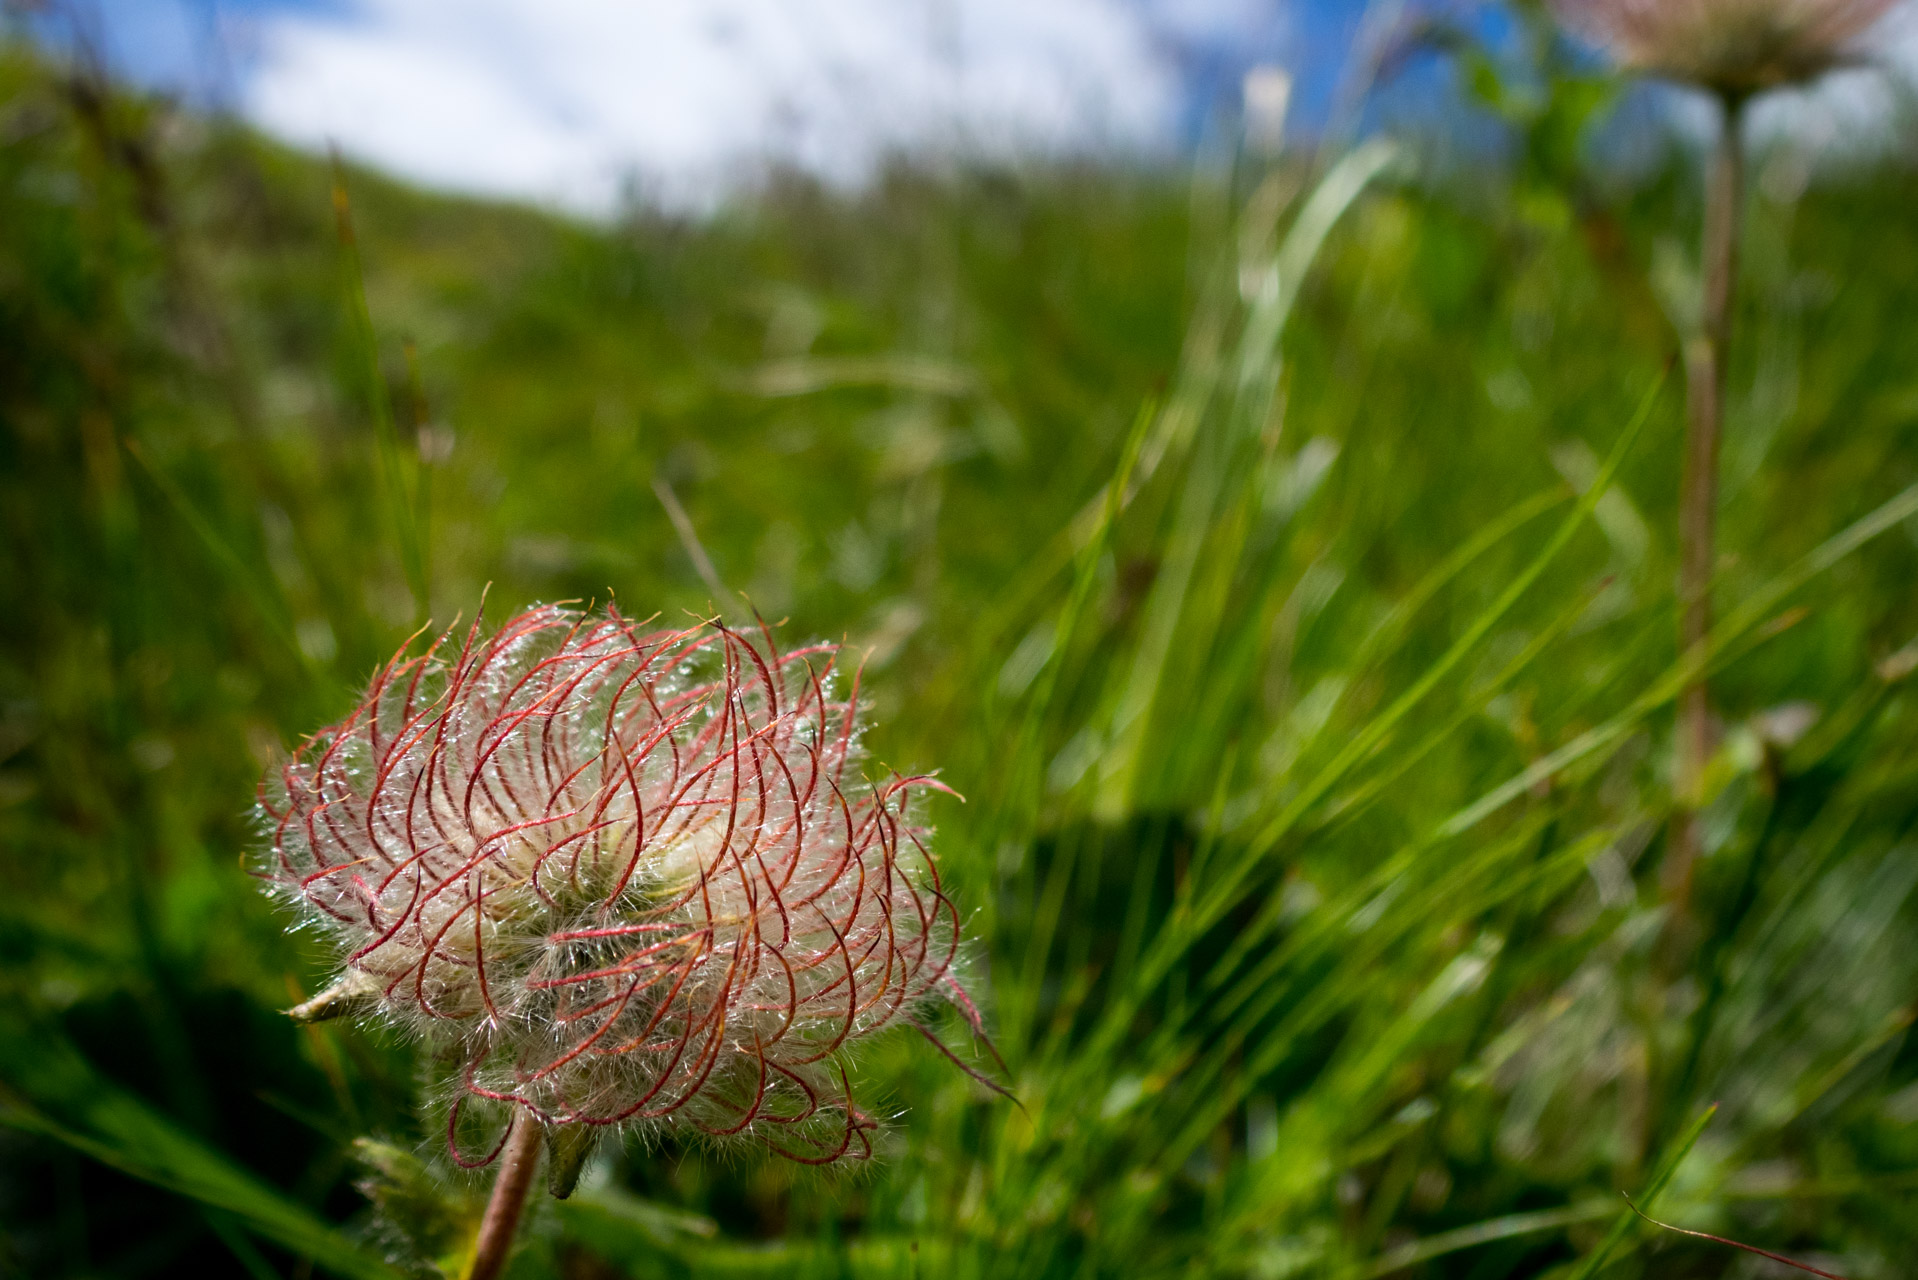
503 1209
1698 498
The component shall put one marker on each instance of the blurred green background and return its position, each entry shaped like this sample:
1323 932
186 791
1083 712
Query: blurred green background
1278 557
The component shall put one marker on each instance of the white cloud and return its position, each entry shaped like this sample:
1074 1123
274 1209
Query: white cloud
564 100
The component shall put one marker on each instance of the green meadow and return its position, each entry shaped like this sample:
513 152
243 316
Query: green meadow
1277 553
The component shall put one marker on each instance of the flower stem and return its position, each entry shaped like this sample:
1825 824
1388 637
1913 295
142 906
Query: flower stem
1705 360
501 1220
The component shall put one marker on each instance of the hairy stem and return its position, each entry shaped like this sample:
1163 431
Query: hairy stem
516 1167
1705 360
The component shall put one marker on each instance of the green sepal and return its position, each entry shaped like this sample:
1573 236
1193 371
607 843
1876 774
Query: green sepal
568 1148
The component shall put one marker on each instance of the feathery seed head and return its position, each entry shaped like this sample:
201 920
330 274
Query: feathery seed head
1736 47
633 875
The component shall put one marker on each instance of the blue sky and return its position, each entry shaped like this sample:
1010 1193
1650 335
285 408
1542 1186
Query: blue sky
188 44
567 101
576 102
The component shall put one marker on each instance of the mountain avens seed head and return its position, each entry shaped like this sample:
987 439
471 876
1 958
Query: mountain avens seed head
632 876
1734 47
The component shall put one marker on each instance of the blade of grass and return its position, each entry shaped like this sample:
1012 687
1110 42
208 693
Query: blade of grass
1628 1217
1732 628
402 509
1209 1086
1193 915
249 1258
1354 801
1256 368
1382 637
125 1134
1026 778
1381 726
1508 1227
694 548
1356 978
1334 194
266 601
422 472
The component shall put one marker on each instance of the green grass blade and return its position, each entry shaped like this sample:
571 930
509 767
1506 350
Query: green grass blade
1626 1220
1343 183
1257 371
266 600
118 1130
1508 1227
1197 914
1733 628
405 511
1382 725
1351 803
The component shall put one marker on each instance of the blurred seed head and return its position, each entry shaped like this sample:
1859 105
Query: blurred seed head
1737 47
632 877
